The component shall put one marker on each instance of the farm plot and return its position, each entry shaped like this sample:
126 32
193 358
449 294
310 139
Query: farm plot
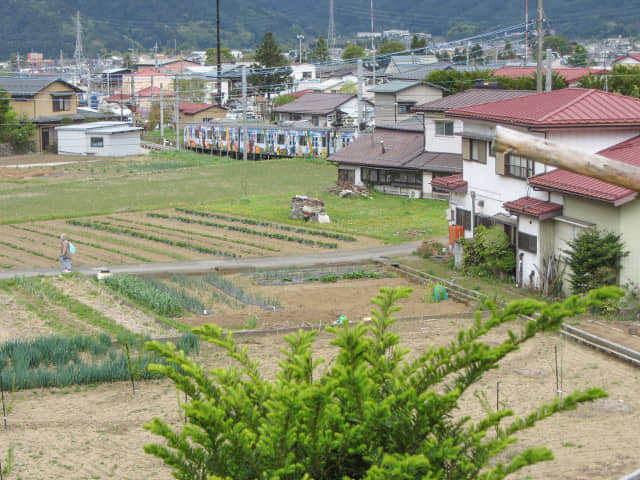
56 430
163 236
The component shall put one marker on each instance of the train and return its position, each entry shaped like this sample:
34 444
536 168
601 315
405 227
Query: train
265 140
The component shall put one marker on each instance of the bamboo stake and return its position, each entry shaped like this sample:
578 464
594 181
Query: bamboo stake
567 158
4 411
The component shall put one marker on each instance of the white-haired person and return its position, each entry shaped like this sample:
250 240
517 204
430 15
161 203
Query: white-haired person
65 254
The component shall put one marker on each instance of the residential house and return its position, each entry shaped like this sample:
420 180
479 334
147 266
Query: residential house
199 113
571 75
145 98
177 65
320 109
135 82
539 207
394 100
403 63
393 161
629 59
47 102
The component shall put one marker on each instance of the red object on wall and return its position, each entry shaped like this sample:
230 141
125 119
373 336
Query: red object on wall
455 232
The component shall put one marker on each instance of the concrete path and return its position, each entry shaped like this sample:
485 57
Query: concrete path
198 266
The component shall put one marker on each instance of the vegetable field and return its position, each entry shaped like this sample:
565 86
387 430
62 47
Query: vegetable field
163 236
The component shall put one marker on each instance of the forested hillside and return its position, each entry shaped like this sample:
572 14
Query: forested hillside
48 26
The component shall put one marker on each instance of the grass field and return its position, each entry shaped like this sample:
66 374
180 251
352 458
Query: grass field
256 189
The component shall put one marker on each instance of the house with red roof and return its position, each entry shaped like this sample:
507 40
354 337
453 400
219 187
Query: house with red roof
570 74
630 59
542 208
191 112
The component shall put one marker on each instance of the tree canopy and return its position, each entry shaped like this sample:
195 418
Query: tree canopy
418 42
458 81
13 129
372 413
320 52
352 51
391 46
269 55
623 79
212 55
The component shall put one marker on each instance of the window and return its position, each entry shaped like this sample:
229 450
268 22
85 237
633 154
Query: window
444 129
369 175
346 175
405 107
62 103
484 221
223 135
474 150
463 217
280 139
97 142
296 116
260 138
517 166
302 141
528 243
315 120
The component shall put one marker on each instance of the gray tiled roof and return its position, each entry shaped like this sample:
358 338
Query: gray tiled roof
316 103
473 96
29 86
402 149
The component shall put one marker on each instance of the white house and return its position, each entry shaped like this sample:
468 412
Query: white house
102 139
539 214
395 100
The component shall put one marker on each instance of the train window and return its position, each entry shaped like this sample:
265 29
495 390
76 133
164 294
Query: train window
280 140
324 142
302 141
223 135
197 133
260 138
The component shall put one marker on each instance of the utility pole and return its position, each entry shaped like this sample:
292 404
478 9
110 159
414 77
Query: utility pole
547 83
161 113
300 37
245 136
176 108
332 27
526 31
359 73
155 55
219 53
540 39
373 47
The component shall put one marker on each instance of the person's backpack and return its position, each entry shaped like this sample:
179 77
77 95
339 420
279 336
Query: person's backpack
72 249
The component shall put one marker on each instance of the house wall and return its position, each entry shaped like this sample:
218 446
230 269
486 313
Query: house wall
386 108
591 140
530 261
118 145
42 103
630 229
441 143
72 142
200 116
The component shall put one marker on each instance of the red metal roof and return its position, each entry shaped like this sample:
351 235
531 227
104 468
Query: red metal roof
150 73
569 74
300 93
584 186
118 97
533 207
631 55
192 108
559 108
451 183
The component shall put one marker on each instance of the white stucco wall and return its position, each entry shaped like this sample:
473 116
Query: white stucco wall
442 143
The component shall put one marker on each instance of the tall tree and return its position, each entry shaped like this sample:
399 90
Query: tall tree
580 57
352 51
418 43
272 72
321 51
391 46
373 413
623 79
212 55
14 129
477 54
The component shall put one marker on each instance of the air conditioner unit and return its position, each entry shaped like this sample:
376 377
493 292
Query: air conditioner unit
414 194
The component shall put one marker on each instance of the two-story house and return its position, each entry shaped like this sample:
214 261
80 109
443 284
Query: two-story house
395 100
46 102
519 193
319 109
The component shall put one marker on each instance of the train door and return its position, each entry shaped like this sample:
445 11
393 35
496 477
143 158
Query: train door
316 145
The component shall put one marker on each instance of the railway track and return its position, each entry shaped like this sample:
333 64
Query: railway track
571 333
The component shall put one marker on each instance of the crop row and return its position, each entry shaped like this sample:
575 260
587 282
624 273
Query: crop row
228 287
205 235
58 361
153 294
16 247
136 234
262 223
249 231
88 244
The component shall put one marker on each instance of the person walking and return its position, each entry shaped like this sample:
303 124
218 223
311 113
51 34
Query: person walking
65 254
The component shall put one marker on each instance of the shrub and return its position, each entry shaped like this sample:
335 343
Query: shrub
371 414
595 258
488 252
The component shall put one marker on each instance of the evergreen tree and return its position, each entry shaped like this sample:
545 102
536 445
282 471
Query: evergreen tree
418 43
352 51
15 130
477 54
390 47
272 72
507 52
595 259
372 413
580 57
212 55
321 51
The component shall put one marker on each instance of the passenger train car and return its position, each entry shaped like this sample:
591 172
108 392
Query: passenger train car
267 140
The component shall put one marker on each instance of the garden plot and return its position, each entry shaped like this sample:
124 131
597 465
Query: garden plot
56 430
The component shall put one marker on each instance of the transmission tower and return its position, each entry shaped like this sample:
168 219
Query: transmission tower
78 55
332 27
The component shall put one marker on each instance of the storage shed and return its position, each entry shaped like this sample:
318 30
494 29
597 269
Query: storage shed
103 139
